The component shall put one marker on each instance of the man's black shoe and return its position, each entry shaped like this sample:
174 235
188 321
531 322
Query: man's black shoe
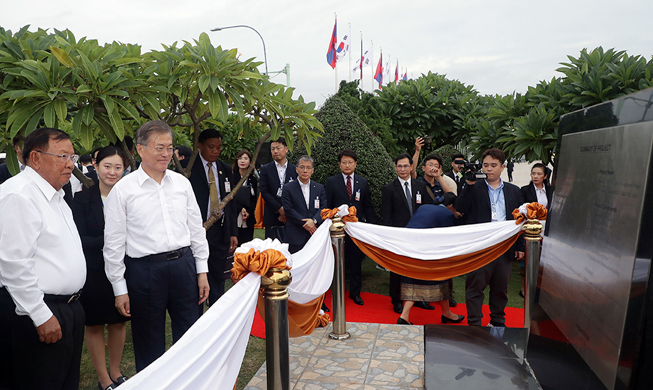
424 305
325 308
398 308
357 299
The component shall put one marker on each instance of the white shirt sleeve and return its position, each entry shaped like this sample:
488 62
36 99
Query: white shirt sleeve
115 238
20 225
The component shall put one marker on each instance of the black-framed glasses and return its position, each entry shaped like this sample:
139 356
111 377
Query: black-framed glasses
64 157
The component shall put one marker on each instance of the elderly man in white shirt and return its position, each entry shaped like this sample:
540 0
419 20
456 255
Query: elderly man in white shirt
155 247
42 270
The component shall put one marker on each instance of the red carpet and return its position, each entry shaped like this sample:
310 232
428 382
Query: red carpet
377 309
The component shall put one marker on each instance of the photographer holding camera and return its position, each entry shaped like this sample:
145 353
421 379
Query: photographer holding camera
486 198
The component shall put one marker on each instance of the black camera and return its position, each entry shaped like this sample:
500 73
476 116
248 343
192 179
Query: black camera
427 139
474 172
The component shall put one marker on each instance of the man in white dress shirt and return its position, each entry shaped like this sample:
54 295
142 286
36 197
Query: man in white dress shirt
42 270
155 247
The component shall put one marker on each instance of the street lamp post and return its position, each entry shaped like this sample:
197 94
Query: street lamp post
265 56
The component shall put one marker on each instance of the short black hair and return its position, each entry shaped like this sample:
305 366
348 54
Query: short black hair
85 159
433 156
402 156
184 151
16 140
495 153
280 140
40 139
94 151
208 134
129 141
109 151
348 153
457 156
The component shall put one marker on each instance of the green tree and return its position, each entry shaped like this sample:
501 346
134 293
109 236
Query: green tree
92 90
344 130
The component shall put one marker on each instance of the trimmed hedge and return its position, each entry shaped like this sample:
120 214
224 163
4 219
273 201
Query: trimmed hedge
344 130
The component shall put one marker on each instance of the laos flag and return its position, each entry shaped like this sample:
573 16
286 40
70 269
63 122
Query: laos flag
331 53
378 76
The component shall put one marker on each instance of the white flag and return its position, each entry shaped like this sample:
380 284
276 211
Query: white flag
367 57
344 46
356 70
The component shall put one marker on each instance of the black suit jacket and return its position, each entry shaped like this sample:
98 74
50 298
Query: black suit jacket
4 173
474 202
294 205
219 234
460 182
529 195
269 185
336 194
394 206
89 217
246 197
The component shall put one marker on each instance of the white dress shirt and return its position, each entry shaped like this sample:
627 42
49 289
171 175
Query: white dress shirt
541 196
40 249
403 186
214 167
306 191
281 171
146 218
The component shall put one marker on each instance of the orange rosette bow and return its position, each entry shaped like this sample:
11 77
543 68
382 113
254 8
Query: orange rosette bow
330 213
534 210
256 261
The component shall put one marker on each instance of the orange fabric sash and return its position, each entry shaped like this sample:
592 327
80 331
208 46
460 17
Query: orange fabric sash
258 212
302 318
330 213
442 269
533 210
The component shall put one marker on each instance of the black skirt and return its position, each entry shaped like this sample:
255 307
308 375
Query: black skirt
98 300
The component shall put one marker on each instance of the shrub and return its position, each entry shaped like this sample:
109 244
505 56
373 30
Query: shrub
344 130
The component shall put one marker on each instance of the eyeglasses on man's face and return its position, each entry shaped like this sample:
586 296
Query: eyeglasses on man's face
161 149
64 157
304 168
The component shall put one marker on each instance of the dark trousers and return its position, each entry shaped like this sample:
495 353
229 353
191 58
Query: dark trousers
156 286
26 362
495 275
294 248
353 261
219 267
395 288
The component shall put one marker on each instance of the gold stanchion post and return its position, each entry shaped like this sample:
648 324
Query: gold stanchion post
532 230
337 231
276 283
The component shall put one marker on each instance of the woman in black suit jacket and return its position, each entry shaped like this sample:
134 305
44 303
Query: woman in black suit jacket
97 298
246 197
539 180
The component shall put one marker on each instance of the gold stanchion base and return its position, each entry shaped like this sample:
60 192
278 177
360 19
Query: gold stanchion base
335 336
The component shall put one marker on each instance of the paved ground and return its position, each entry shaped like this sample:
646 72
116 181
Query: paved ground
378 356
521 176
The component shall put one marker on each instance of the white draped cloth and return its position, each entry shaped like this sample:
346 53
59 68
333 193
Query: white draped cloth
211 352
436 243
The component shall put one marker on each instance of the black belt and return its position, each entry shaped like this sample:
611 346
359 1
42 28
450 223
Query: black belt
166 256
62 298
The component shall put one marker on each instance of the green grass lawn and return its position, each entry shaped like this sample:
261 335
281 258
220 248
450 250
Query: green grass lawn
374 281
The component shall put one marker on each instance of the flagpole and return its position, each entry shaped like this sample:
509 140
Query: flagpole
336 67
372 64
350 50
